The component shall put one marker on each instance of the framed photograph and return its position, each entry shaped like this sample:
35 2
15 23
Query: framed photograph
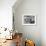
28 19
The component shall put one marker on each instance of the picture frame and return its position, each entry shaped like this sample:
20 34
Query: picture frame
28 19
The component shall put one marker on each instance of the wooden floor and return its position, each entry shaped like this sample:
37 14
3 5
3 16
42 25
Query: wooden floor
9 43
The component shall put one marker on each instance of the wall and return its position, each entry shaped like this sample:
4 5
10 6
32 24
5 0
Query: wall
43 22
6 13
32 32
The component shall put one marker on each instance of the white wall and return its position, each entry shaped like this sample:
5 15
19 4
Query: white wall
38 31
43 22
6 13
29 7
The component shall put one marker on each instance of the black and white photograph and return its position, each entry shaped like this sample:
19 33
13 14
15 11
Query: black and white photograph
29 20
